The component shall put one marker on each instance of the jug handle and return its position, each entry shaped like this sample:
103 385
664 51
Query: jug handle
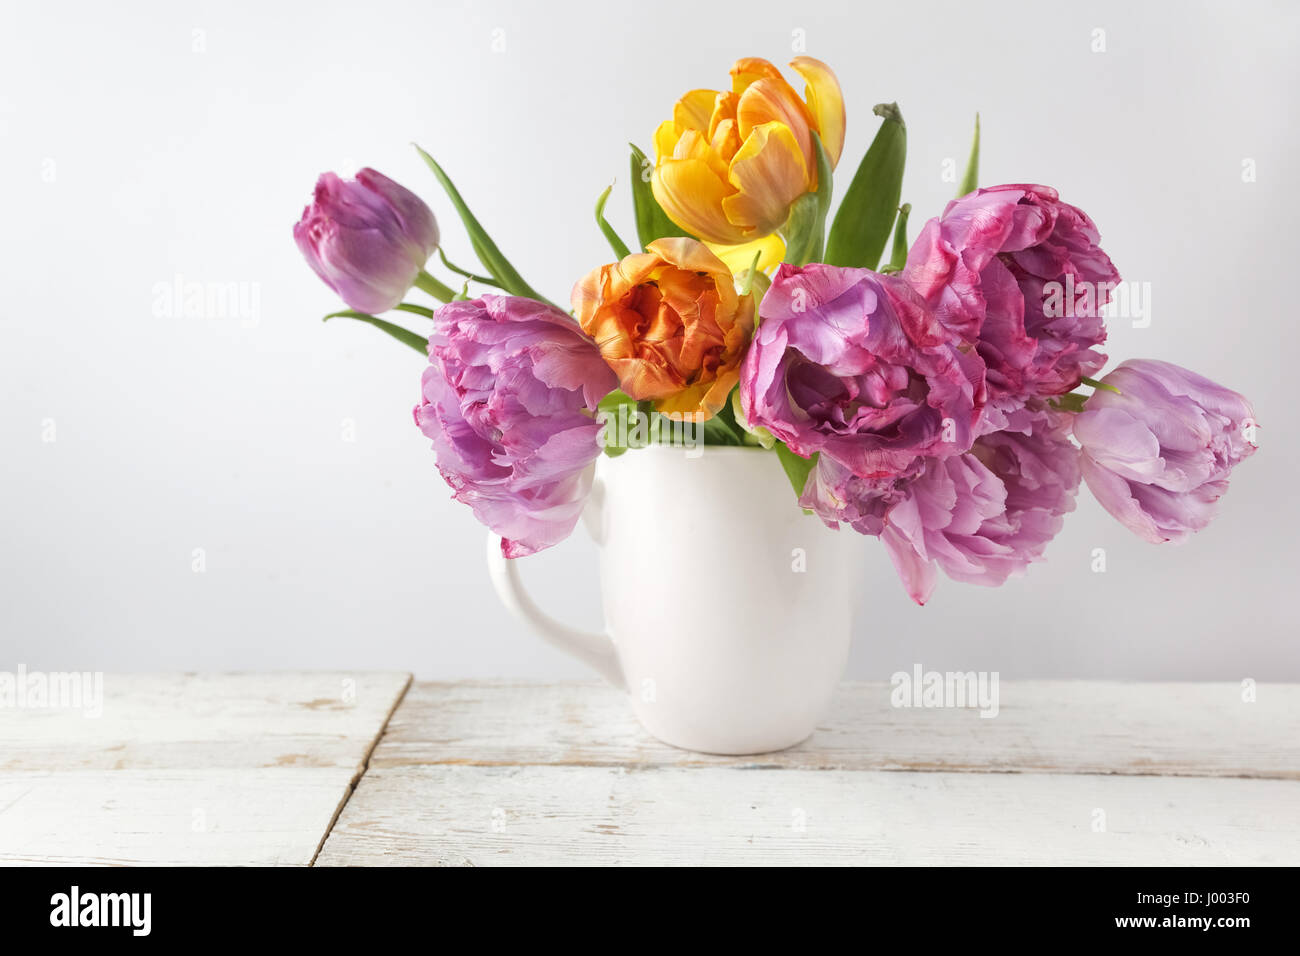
595 650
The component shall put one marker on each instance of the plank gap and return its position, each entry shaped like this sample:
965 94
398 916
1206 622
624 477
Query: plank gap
362 767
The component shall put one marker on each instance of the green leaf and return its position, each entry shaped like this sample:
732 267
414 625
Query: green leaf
796 468
414 309
482 280
486 250
862 223
608 413
753 434
747 277
618 245
1072 402
418 342
805 230
970 181
799 230
614 399
722 429
651 221
898 258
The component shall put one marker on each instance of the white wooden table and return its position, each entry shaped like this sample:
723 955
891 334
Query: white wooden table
189 769
331 769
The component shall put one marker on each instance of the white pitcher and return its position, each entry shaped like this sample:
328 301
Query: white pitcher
728 610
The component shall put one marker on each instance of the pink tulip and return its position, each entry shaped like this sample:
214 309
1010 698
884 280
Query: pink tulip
1158 454
367 238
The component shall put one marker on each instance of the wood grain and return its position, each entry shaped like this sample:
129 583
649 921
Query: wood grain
555 815
501 773
1042 727
189 769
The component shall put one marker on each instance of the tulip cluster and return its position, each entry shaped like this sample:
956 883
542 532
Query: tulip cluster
945 401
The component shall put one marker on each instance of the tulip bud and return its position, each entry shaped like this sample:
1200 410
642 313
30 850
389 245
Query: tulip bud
367 238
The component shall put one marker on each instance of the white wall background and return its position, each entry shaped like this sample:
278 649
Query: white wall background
128 158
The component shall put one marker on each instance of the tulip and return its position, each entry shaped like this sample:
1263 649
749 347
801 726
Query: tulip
671 325
729 164
509 399
850 364
994 268
1157 453
981 517
367 238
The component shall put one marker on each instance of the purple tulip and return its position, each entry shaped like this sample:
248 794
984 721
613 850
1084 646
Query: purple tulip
1158 454
1019 273
982 516
368 238
851 364
508 399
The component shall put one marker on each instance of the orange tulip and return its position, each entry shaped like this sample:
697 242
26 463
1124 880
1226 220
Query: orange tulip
728 165
671 325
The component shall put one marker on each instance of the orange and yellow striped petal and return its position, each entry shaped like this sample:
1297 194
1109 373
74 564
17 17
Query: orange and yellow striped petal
825 103
749 69
768 174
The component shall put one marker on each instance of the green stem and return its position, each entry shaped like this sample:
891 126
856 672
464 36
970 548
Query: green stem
1093 383
472 276
432 286
970 179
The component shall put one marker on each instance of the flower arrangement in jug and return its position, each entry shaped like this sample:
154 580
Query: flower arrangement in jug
949 400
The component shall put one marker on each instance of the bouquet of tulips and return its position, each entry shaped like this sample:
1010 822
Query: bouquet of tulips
931 401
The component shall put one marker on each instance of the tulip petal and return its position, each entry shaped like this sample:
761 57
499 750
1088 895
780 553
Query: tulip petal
917 573
1116 495
724 110
694 110
665 139
770 250
769 173
693 197
1120 443
774 101
689 255
748 70
825 103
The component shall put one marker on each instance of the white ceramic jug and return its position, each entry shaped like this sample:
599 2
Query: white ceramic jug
728 610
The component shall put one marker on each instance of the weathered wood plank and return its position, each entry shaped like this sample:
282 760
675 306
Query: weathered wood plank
1042 726
189 769
167 817
205 721
558 815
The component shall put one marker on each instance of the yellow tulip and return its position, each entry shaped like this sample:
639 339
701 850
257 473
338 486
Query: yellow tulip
729 164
